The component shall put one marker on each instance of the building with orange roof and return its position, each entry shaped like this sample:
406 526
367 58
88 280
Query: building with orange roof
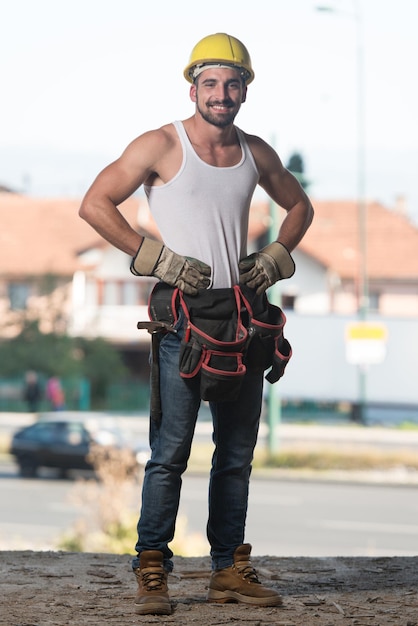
56 269
391 262
54 266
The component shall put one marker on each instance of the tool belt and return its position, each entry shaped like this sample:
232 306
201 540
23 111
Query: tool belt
227 333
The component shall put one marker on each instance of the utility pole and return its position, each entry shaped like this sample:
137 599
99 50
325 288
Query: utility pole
362 273
274 414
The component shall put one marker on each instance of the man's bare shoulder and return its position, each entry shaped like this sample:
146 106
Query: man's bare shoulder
157 138
156 153
264 154
255 142
151 150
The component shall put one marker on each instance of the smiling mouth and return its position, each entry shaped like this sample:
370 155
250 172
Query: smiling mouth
221 107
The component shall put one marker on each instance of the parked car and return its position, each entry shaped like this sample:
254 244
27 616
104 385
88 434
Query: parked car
66 445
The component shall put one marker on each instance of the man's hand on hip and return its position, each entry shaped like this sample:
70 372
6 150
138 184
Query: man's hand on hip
262 269
155 259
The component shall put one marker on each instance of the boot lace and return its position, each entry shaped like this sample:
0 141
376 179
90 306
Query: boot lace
153 581
248 573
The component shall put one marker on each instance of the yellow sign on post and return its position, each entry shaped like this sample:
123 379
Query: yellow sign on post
365 342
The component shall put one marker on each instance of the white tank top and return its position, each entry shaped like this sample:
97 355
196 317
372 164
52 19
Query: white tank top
203 211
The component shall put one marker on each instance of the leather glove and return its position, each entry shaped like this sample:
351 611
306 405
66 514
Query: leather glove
262 269
155 259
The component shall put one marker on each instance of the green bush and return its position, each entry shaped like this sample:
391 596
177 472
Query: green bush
69 358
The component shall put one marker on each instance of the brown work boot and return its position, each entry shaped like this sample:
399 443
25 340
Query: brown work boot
152 596
239 583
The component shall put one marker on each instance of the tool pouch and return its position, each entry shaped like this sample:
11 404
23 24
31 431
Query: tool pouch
227 333
267 346
214 343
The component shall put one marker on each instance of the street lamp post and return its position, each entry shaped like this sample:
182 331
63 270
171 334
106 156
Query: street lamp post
362 276
274 405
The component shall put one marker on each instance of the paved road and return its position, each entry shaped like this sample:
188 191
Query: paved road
286 517
287 434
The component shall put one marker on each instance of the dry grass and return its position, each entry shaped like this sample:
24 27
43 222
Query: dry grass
109 506
316 457
339 459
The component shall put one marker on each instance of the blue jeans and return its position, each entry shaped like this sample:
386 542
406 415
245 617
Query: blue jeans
235 431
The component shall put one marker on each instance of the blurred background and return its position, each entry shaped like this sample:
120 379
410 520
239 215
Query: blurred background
334 94
82 79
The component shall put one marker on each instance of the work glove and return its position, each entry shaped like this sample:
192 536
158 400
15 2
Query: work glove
155 259
262 269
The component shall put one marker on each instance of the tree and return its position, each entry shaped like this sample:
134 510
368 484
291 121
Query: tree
53 354
101 363
296 165
49 353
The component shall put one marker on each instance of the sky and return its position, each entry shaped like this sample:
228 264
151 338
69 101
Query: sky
81 79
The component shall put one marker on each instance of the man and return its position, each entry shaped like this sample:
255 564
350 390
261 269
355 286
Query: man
199 176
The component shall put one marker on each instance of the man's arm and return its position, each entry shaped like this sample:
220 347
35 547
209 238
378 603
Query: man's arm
141 160
286 191
117 182
262 269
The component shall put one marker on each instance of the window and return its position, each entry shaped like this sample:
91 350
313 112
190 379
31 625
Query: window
40 432
119 292
18 295
374 301
111 293
288 302
130 293
92 293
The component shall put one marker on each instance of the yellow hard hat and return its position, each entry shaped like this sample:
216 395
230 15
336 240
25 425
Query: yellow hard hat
221 49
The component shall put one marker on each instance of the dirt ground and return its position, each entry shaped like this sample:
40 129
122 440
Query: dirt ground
61 588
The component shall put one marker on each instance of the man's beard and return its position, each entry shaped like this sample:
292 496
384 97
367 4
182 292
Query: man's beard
221 121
